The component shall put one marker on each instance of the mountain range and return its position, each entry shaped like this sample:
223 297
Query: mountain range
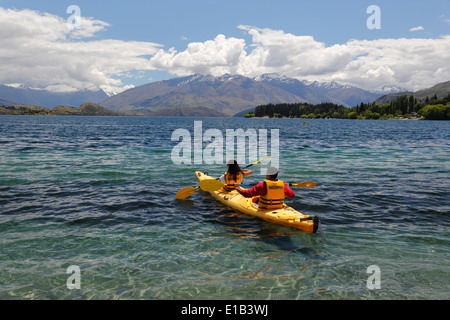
26 96
209 95
318 92
228 94
441 90
234 94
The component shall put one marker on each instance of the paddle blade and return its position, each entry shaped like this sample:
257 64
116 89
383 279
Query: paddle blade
186 192
211 185
305 184
256 162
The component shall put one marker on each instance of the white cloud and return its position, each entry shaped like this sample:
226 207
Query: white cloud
416 29
293 55
39 50
370 64
216 57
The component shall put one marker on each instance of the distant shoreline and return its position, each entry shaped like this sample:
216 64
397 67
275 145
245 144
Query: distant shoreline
265 117
193 117
87 109
91 109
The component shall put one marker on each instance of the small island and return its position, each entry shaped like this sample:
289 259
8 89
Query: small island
87 109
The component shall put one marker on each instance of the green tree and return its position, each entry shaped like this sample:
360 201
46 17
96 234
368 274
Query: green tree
411 104
435 112
352 115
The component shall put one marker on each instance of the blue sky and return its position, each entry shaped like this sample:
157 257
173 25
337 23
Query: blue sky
178 23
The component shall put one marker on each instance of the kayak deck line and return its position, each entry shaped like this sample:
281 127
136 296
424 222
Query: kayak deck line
287 215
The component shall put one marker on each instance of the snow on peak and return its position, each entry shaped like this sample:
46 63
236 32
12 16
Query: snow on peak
273 77
329 85
389 89
196 78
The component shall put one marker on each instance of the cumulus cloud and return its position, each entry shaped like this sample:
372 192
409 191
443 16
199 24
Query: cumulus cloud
39 50
416 29
291 55
216 57
370 64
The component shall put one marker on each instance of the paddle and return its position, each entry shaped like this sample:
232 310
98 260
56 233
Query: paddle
305 184
214 185
188 191
256 162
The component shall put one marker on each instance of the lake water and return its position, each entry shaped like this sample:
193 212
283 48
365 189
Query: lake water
99 193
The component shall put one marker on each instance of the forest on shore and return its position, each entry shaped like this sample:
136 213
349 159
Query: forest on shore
403 107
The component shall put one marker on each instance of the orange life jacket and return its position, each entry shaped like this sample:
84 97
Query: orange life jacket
230 180
274 198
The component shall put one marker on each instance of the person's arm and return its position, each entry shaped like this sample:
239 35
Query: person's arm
257 190
246 172
222 179
288 191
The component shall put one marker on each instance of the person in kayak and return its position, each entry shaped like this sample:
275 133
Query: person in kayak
271 191
233 175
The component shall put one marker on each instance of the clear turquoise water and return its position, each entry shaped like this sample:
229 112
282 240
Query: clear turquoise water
99 193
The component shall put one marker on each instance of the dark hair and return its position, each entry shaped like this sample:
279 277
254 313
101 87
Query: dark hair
234 169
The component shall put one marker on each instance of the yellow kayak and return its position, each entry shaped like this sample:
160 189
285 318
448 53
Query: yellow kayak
286 216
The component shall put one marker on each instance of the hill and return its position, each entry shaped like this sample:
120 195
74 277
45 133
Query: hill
87 109
6 102
388 98
441 90
187 112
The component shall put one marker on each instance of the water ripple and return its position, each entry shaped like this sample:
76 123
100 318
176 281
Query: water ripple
98 192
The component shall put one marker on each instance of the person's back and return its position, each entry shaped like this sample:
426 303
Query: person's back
234 175
274 197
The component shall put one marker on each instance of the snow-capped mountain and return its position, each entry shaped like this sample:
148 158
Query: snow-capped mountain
228 94
233 94
329 85
389 89
45 98
316 92
202 78
274 77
